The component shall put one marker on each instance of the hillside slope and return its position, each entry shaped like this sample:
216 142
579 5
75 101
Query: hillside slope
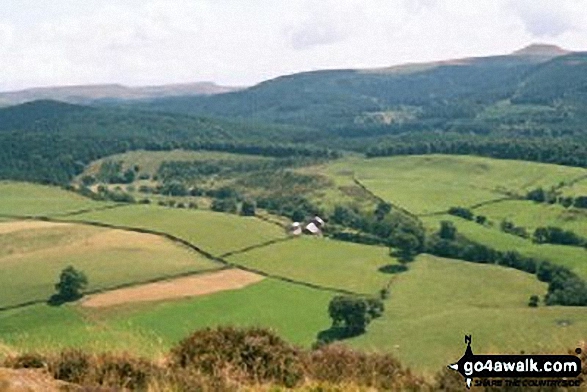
85 94
430 94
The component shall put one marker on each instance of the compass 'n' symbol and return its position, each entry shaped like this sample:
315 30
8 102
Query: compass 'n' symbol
459 365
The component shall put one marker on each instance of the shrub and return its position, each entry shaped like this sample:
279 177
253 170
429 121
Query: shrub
256 355
71 366
461 212
26 361
340 365
224 205
123 372
533 302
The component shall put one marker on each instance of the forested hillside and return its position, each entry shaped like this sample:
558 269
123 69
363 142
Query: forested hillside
426 96
530 105
51 142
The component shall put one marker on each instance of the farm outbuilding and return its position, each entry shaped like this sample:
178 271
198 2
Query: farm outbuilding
295 228
312 227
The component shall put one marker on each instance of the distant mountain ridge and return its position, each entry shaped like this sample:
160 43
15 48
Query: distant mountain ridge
85 94
429 95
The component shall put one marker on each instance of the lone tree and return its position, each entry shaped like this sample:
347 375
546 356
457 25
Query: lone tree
353 314
70 285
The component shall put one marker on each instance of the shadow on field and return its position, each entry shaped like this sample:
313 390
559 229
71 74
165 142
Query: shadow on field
333 334
58 300
393 268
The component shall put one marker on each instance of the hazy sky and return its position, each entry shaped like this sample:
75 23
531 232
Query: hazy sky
242 42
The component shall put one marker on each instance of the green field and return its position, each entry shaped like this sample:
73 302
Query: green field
431 183
438 301
323 262
430 309
18 198
532 215
573 257
32 254
579 188
296 313
213 232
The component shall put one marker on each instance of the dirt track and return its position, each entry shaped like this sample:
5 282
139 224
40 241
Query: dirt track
190 286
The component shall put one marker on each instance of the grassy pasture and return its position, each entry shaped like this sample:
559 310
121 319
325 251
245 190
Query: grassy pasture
323 262
431 183
32 254
572 257
18 198
579 188
532 215
296 313
217 233
438 301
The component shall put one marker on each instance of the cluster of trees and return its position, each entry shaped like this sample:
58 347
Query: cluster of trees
293 206
510 227
198 170
467 214
551 196
111 172
247 207
173 204
51 142
556 235
565 287
384 226
104 193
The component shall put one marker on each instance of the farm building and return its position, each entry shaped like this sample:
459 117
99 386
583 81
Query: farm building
295 228
312 227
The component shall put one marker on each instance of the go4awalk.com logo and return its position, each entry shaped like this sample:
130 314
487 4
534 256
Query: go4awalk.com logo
518 370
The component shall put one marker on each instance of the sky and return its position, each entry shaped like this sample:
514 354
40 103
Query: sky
243 42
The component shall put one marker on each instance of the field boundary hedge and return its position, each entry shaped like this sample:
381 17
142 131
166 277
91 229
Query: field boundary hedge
218 259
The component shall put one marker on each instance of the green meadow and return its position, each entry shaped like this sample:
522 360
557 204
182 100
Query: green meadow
323 262
532 215
214 232
297 313
431 306
18 198
574 258
432 183
437 301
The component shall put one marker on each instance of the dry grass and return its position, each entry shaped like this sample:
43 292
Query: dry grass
25 380
32 254
11 227
190 286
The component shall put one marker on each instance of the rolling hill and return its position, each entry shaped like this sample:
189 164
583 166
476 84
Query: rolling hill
412 93
85 94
